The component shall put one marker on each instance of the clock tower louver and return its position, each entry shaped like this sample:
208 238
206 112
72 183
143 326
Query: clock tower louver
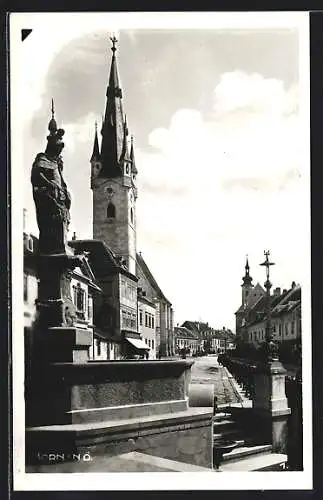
113 177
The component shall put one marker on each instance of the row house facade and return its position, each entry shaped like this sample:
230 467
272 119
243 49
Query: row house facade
187 342
116 310
286 318
285 308
147 322
164 315
211 339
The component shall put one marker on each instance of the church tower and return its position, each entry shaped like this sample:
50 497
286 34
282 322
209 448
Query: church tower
113 177
247 285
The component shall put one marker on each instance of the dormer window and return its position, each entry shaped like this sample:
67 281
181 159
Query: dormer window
111 211
30 244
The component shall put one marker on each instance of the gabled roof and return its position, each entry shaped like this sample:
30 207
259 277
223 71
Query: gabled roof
191 325
182 332
102 260
280 304
145 269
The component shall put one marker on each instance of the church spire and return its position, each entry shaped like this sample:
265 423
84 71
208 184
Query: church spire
132 158
247 279
96 152
113 124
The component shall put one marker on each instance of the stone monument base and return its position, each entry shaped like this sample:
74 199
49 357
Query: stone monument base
103 409
270 405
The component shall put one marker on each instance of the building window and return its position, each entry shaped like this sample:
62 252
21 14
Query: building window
25 287
152 322
111 211
98 345
30 244
293 328
286 328
89 309
133 321
146 320
131 215
80 298
140 318
127 169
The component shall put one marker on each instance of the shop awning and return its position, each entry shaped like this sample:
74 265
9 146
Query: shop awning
138 344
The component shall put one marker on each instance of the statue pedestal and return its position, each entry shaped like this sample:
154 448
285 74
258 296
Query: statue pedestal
270 404
63 344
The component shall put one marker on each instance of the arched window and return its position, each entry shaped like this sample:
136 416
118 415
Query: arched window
131 215
111 211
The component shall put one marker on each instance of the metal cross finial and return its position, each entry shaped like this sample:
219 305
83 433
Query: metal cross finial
114 41
267 263
53 110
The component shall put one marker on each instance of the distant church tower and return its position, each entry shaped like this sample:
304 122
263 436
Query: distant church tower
113 177
247 285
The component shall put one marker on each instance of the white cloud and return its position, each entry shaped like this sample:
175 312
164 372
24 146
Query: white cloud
80 132
253 135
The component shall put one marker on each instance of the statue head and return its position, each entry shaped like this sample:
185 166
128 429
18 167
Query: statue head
55 142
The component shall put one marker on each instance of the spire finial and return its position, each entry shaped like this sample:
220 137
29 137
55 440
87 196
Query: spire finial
52 126
114 42
96 152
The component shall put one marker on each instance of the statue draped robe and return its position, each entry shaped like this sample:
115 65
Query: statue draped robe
52 202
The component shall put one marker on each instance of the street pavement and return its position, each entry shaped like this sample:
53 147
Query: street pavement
206 370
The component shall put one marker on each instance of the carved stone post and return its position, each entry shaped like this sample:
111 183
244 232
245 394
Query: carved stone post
269 400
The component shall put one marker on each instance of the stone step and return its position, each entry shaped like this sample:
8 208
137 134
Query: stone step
225 422
230 434
244 451
222 416
223 426
259 462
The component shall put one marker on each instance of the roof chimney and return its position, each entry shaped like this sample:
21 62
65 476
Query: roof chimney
74 236
277 292
293 284
284 291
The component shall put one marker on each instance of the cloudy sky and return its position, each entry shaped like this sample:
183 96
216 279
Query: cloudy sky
219 148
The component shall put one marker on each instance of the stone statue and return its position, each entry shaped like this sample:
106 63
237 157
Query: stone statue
51 197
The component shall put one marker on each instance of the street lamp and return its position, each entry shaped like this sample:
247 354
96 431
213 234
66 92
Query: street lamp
271 345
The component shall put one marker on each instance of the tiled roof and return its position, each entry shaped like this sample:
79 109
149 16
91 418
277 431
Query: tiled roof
185 333
145 269
102 260
204 329
280 304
